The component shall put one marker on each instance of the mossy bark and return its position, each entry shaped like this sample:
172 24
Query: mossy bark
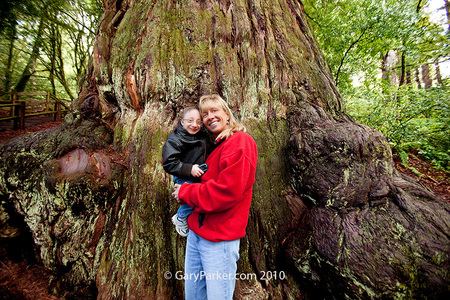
329 217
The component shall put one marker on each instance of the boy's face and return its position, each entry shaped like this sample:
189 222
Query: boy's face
192 121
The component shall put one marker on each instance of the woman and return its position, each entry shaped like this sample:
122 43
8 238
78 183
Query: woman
221 204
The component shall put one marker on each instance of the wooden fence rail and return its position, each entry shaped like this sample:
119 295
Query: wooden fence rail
17 110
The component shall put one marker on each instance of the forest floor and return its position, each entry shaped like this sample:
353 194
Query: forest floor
433 179
19 280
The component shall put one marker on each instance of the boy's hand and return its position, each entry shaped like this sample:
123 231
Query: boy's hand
196 171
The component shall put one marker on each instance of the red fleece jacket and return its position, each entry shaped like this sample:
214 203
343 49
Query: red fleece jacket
225 191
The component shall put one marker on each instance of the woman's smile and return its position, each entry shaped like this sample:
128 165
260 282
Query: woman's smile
213 124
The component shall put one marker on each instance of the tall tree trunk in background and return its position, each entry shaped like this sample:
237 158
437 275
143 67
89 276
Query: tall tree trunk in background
9 63
389 63
55 66
51 52
32 60
384 67
408 77
61 71
426 78
417 78
330 216
79 59
437 68
403 69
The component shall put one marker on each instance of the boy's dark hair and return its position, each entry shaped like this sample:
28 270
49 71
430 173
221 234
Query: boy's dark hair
188 109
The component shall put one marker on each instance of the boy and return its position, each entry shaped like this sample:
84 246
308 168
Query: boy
184 151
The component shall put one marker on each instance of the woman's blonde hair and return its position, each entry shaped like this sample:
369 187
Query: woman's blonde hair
208 101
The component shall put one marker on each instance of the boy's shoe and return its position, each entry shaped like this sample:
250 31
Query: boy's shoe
180 226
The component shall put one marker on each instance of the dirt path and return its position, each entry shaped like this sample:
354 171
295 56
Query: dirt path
435 180
9 133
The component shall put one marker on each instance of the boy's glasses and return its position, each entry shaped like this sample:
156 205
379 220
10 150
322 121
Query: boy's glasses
190 121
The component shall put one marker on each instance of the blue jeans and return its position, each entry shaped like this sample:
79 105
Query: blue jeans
185 210
210 268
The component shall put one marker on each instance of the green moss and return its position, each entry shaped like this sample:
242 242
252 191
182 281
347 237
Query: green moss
141 238
127 38
269 191
122 133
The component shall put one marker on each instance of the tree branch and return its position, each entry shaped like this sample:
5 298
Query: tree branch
346 52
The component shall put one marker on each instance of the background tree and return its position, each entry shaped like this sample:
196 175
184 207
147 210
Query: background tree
355 34
10 12
330 216
44 50
30 66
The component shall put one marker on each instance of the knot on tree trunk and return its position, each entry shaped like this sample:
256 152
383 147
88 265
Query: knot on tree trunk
374 233
65 182
338 164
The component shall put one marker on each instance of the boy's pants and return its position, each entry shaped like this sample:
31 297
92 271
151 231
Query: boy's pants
185 210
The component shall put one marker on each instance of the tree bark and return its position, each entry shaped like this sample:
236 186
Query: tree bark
330 216
389 63
403 69
408 77
426 78
52 63
12 35
437 69
59 57
417 78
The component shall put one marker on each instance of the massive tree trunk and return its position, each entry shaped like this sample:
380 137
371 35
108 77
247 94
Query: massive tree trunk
330 215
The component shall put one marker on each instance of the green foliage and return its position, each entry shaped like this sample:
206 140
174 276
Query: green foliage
355 35
64 44
410 118
403 157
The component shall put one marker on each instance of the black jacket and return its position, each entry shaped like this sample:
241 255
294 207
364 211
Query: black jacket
182 150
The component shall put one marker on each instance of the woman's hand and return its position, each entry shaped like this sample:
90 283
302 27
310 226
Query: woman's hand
176 190
196 171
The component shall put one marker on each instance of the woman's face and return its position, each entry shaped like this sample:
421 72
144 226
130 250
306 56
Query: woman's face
215 120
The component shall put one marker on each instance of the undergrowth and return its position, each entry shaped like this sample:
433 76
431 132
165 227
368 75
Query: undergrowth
412 119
